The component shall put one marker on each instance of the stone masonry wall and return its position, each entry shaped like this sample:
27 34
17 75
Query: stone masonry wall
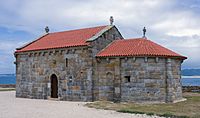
174 88
108 79
97 45
139 79
147 79
34 70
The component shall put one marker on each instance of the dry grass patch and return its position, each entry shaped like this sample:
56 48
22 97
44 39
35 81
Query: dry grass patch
188 108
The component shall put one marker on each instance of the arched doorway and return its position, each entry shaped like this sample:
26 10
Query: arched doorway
54 86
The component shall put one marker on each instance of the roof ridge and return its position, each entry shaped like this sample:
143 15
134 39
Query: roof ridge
79 29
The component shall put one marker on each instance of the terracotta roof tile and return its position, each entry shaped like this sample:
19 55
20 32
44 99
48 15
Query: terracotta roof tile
136 47
62 39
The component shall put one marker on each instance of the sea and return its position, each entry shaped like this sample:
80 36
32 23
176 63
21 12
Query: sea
186 81
7 79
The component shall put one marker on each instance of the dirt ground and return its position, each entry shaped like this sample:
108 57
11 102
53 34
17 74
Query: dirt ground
11 107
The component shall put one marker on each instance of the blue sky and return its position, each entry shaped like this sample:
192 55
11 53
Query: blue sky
171 23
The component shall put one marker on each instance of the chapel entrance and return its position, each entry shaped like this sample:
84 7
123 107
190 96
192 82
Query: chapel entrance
54 86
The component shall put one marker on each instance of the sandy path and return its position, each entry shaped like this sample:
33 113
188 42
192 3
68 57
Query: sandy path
11 107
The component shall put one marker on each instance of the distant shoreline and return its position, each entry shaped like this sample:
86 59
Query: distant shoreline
190 77
7 85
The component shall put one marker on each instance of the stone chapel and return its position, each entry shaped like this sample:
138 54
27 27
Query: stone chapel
97 63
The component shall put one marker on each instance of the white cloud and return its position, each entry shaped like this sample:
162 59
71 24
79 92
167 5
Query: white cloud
184 32
65 14
9 47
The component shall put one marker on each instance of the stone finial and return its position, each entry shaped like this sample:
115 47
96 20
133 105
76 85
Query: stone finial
144 32
47 29
111 20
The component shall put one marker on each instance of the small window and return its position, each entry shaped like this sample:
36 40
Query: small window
128 78
113 36
66 62
70 79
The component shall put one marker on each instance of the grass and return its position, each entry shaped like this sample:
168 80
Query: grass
7 89
185 109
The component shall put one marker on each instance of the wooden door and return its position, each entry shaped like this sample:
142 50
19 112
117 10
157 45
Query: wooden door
54 86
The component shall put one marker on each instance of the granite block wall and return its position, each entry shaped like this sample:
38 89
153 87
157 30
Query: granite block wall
140 79
34 70
97 45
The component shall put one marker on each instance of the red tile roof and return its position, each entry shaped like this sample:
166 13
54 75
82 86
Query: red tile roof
62 39
137 47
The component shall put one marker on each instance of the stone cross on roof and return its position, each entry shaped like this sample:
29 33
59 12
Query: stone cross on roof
111 20
144 32
47 29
